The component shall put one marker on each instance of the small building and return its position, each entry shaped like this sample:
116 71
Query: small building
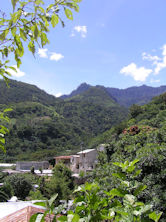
87 160
26 166
18 211
64 159
75 163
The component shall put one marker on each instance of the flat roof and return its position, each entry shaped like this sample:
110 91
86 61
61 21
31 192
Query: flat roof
63 157
7 164
86 151
7 208
76 156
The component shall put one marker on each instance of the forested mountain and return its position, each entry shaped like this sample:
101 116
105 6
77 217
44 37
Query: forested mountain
21 92
43 126
125 97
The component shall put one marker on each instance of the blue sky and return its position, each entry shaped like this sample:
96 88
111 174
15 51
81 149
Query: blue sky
115 43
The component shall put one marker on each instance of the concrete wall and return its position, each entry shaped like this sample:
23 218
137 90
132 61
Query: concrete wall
75 161
29 165
87 160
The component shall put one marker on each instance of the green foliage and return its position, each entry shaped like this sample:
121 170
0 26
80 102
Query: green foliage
6 192
50 209
93 203
61 182
36 195
28 25
142 138
32 170
20 185
135 110
3 129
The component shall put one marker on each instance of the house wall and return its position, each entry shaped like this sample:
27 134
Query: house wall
74 163
87 160
29 165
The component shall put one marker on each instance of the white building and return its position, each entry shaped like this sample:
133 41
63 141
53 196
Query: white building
84 160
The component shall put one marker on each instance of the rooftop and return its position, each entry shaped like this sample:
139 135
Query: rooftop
8 208
86 151
63 157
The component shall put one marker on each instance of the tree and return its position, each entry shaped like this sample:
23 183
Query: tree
27 26
61 182
3 129
21 186
135 110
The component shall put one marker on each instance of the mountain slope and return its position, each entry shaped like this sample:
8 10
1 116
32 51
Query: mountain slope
45 126
21 92
82 88
96 95
135 95
125 97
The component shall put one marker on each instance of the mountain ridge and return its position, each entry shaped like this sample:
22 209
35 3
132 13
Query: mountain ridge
126 97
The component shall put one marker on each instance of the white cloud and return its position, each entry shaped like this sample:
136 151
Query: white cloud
56 56
139 74
154 80
80 29
43 53
72 34
58 94
161 65
18 72
146 56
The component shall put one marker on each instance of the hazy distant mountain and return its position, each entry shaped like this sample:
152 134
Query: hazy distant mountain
125 97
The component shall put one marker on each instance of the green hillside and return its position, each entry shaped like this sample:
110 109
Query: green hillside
142 137
43 126
95 95
21 92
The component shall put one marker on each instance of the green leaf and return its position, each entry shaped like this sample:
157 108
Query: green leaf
43 204
31 47
117 192
7 110
35 217
119 175
44 39
68 13
76 218
23 34
14 3
134 162
54 20
62 219
4 34
53 198
154 216
139 189
38 2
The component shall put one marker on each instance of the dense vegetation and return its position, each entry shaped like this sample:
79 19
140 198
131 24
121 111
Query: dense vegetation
142 137
43 126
